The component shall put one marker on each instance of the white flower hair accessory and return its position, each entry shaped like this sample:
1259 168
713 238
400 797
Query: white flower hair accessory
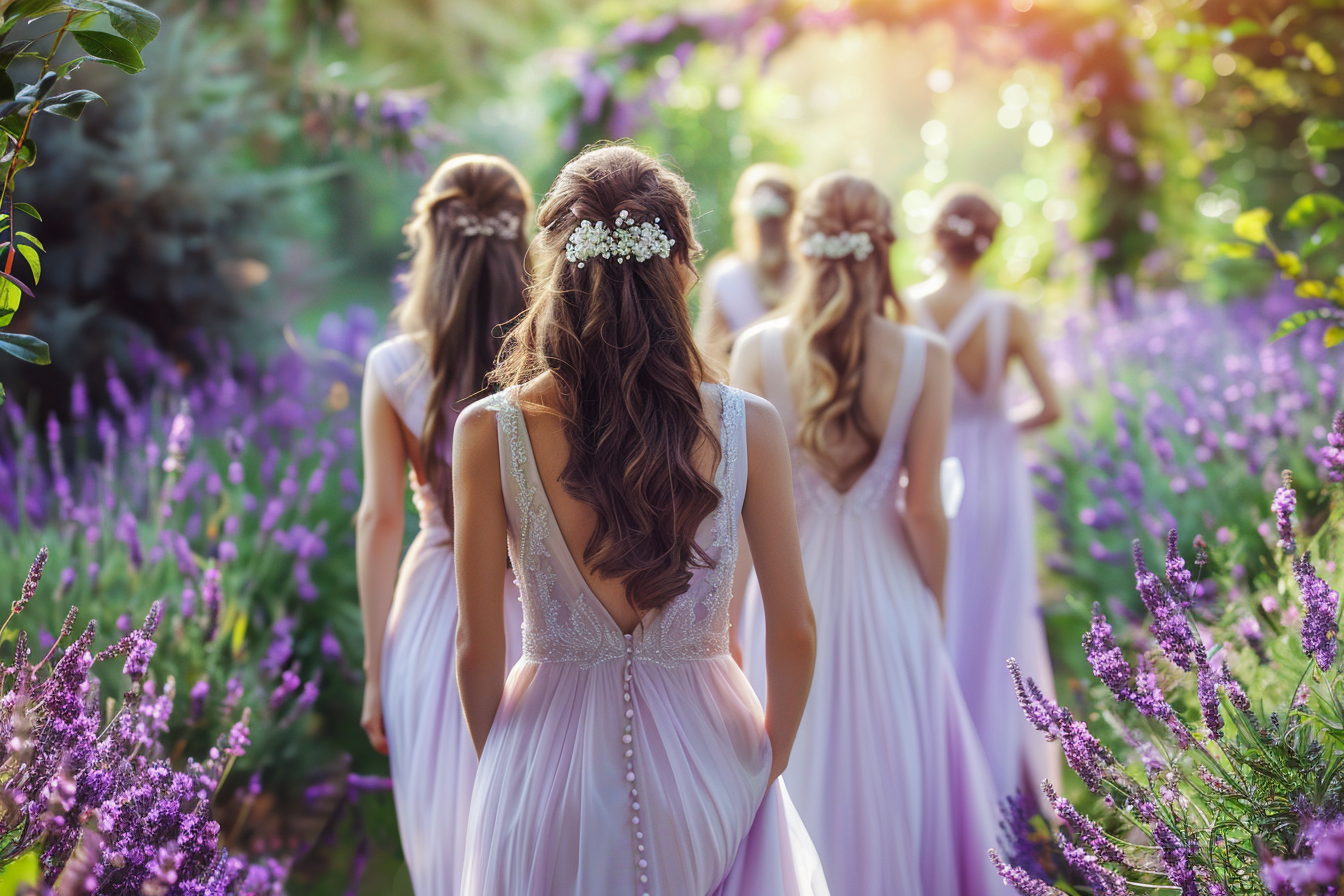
593 239
504 225
766 203
958 224
843 244
981 243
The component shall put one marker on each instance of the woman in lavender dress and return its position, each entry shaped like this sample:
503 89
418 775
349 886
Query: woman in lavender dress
993 608
748 283
466 280
888 772
625 753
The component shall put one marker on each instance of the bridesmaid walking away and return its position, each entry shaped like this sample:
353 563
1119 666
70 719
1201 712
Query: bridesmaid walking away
887 770
993 608
743 286
625 753
466 280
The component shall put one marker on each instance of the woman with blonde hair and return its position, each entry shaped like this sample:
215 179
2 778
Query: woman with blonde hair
625 753
993 606
888 773
744 285
468 235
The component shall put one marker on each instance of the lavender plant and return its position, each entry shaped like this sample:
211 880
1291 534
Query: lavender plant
1184 415
217 497
1219 769
93 799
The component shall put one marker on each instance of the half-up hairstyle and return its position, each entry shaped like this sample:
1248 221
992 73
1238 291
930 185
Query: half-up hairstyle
964 224
468 237
616 338
762 207
835 300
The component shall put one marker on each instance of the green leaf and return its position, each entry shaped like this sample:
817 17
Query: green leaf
67 67
27 348
1334 335
24 869
34 261
1325 134
135 23
1312 206
1296 321
10 296
27 210
1250 225
14 107
1234 250
23 287
111 49
2 401
27 154
1326 234
11 50
68 105
6 86
32 239
32 9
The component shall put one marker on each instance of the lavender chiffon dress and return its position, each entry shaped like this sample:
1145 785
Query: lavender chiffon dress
887 771
433 759
628 764
734 287
993 606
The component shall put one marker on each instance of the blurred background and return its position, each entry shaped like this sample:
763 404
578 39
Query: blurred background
223 234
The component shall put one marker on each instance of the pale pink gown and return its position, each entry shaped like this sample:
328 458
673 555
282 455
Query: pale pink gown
628 764
734 287
993 606
887 772
433 759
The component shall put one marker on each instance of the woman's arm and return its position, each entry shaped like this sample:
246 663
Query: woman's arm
480 544
1022 343
380 525
925 519
772 531
744 372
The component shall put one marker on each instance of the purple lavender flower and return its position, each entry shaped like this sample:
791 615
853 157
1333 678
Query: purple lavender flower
1108 662
233 692
1021 880
1283 505
228 552
289 683
31 582
1316 873
1169 627
200 692
1087 831
1179 579
1086 755
1149 700
79 399
179 440
331 647
1320 620
1207 691
1176 855
128 533
1332 455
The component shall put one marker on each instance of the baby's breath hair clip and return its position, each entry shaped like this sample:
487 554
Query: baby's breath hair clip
766 204
593 239
958 224
503 225
843 244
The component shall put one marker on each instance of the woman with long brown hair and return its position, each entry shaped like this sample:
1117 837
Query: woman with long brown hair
744 285
625 753
993 603
888 773
468 238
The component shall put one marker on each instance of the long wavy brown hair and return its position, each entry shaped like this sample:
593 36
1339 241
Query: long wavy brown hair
617 340
833 304
468 238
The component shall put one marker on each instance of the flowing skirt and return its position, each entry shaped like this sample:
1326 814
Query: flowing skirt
555 814
993 606
887 772
433 760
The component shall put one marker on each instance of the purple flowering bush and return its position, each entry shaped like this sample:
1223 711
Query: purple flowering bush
1213 754
89 799
219 496
1183 417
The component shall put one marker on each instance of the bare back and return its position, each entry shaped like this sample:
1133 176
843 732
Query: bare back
576 519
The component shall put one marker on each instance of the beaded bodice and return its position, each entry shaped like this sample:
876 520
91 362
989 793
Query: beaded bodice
877 484
563 621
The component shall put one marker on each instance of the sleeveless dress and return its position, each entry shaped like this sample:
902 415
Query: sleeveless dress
993 606
887 771
628 764
734 288
433 759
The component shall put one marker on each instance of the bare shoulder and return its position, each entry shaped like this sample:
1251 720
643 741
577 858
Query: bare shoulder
765 428
937 356
477 424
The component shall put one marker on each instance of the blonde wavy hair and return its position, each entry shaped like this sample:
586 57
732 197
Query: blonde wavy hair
834 301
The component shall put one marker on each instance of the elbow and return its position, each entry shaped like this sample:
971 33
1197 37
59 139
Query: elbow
926 514
1049 415
799 635
372 518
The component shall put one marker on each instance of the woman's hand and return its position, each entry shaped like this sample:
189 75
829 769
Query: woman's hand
371 719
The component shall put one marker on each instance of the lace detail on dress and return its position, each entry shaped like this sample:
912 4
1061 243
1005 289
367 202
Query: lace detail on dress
554 630
695 625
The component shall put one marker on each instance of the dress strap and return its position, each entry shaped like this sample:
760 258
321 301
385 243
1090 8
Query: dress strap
996 344
775 374
908 390
960 328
